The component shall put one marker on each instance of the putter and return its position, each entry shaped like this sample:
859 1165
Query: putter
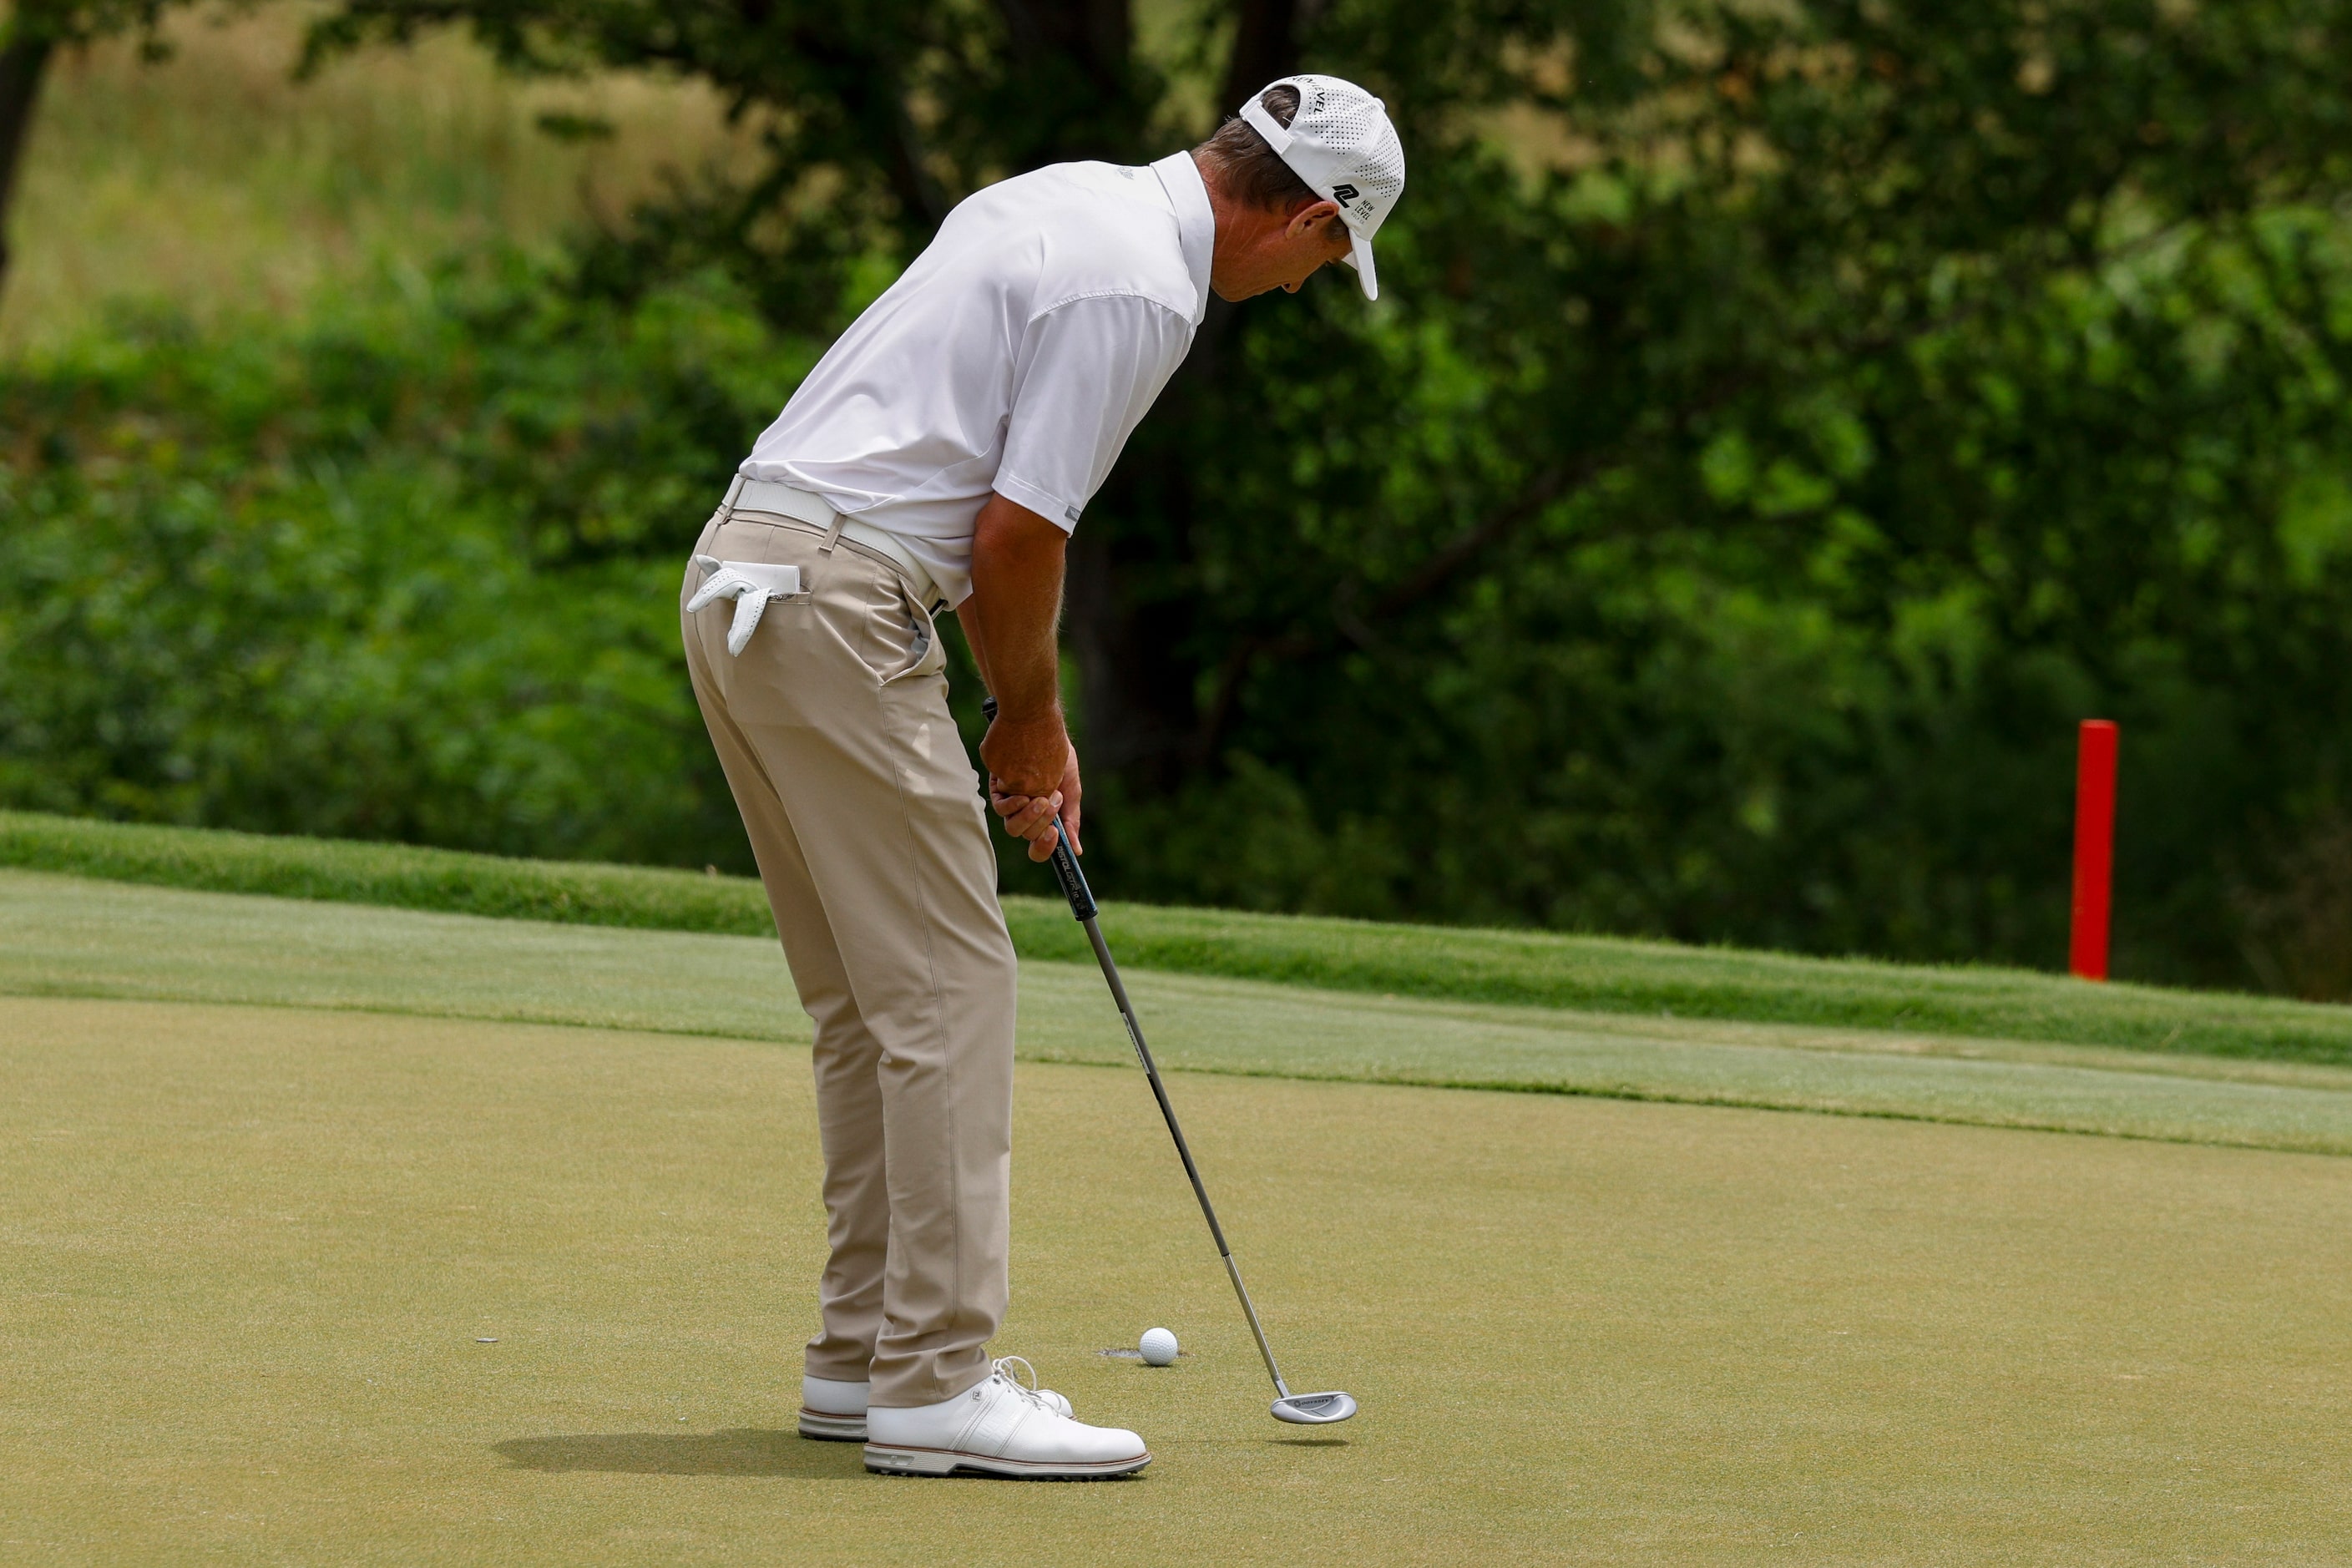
1300 1409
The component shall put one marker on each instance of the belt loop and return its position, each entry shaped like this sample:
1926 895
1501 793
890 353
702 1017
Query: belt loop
726 507
833 534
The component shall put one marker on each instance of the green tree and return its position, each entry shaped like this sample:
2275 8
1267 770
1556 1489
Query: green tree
1779 425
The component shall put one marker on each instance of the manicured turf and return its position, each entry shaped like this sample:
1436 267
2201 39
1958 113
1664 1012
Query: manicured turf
1532 968
76 937
252 1254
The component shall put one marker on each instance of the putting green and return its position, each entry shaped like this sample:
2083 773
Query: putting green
63 935
252 1253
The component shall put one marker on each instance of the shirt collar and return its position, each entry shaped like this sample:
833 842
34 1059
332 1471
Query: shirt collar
1196 222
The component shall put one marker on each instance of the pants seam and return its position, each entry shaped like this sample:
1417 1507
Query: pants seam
931 974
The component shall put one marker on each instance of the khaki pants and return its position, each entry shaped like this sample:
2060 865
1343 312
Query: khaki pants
865 817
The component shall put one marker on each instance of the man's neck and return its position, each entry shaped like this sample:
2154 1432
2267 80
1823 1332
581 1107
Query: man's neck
1239 227
1222 207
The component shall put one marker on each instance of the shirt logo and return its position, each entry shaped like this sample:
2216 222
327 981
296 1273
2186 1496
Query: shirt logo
1343 194
1071 512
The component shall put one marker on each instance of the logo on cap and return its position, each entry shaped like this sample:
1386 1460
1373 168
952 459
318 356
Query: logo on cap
1341 144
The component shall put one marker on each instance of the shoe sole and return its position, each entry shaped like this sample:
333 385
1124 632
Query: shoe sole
891 1459
819 1428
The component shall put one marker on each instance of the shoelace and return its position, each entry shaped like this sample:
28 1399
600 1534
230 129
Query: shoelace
1001 1367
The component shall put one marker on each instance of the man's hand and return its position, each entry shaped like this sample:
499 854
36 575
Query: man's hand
1029 810
1010 620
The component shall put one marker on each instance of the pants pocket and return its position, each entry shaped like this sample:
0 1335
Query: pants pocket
906 641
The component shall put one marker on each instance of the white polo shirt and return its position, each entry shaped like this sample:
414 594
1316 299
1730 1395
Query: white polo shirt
1018 354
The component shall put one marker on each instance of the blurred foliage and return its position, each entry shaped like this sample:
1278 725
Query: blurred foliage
1779 426
363 575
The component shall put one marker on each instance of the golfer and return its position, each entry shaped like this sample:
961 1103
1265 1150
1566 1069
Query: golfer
939 457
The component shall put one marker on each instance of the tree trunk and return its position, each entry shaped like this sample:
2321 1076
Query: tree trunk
1139 685
22 58
1131 643
1075 58
1129 618
1265 46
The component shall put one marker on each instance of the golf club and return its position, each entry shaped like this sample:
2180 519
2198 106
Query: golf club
1301 1409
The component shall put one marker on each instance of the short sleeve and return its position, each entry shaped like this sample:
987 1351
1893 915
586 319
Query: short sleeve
1087 372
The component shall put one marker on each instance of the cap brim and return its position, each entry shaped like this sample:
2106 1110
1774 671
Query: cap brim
1360 256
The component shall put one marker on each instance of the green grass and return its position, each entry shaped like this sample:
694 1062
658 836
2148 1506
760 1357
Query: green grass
393 875
253 1255
1523 968
64 936
388 1267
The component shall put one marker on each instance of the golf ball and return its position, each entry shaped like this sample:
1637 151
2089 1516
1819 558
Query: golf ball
1159 1347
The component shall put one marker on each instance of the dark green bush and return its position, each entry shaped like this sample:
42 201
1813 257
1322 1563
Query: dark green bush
403 571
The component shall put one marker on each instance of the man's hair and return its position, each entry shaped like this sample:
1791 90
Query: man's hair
1247 169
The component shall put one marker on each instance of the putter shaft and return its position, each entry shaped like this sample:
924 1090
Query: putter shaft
1082 906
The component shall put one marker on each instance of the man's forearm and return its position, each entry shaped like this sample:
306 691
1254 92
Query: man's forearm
1012 621
1012 618
968 616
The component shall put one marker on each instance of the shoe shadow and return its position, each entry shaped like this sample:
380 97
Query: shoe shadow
741 1451
1310 1442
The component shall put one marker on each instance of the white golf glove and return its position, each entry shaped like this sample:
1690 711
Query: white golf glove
751 584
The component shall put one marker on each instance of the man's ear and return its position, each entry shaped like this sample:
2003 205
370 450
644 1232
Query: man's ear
1312 214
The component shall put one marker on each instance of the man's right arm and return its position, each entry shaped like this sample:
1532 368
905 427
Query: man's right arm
1092 366
1012 621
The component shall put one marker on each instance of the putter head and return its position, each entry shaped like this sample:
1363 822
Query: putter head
1313 1409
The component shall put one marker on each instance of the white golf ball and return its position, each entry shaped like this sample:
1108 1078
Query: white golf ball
1159 1348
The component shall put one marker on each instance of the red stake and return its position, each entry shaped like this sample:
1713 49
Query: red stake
2094 846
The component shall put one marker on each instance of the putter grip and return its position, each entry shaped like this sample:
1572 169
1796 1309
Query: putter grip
1065 865
1072 881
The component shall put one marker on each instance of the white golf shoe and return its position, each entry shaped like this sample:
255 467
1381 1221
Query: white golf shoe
835 1412
999 1428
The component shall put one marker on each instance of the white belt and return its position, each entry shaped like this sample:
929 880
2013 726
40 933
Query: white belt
804 506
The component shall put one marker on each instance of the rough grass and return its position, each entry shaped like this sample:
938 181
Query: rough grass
1592 973
212 180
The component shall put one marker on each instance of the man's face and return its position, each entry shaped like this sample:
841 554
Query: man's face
1283 252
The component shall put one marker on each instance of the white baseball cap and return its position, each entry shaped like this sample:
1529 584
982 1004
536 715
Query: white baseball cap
1341 143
